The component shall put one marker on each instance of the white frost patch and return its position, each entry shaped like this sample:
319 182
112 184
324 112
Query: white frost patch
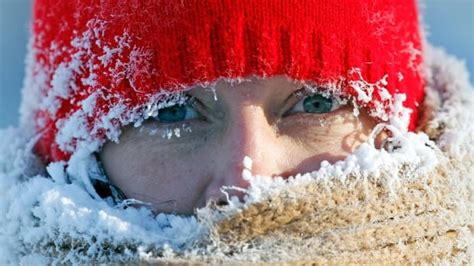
167 134
389 108
177 132
449 83
34 84
400 115
170 132
89 104
415 55
57 172
60 86
247 162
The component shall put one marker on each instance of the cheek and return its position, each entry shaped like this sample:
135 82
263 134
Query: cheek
168 176
332 138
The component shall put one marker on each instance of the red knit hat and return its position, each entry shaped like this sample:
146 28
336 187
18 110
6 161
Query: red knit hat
95 65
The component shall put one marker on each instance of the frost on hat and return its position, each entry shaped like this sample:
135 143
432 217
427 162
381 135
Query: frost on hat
95 66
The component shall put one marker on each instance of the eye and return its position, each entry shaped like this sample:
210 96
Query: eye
316 104
177 113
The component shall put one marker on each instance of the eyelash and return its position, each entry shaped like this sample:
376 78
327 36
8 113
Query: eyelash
189 113
298 98
319 105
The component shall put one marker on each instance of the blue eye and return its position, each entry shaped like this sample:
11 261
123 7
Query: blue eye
177 113
316 104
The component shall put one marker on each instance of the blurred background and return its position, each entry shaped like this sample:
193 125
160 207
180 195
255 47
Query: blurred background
450 24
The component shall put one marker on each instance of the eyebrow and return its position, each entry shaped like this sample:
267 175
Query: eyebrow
208 98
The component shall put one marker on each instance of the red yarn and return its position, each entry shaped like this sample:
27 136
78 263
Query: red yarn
171 44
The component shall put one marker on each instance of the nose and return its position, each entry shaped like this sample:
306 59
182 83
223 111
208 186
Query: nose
248 133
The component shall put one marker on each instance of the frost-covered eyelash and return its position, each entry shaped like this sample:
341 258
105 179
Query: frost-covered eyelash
306 91
327 91
301 92
310 90
338 100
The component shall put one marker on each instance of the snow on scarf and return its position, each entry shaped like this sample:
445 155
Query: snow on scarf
411 201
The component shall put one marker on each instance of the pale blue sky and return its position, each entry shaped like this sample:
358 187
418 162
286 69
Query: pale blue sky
450 24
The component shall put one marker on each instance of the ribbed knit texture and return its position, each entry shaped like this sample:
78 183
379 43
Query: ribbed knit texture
173 44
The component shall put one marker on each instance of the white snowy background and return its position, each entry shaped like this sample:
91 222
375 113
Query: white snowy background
450 24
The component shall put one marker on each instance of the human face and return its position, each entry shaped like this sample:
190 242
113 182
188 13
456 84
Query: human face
284 130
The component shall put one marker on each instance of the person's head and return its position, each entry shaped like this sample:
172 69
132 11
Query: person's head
171 96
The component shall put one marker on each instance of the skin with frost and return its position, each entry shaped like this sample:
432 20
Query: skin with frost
178 165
